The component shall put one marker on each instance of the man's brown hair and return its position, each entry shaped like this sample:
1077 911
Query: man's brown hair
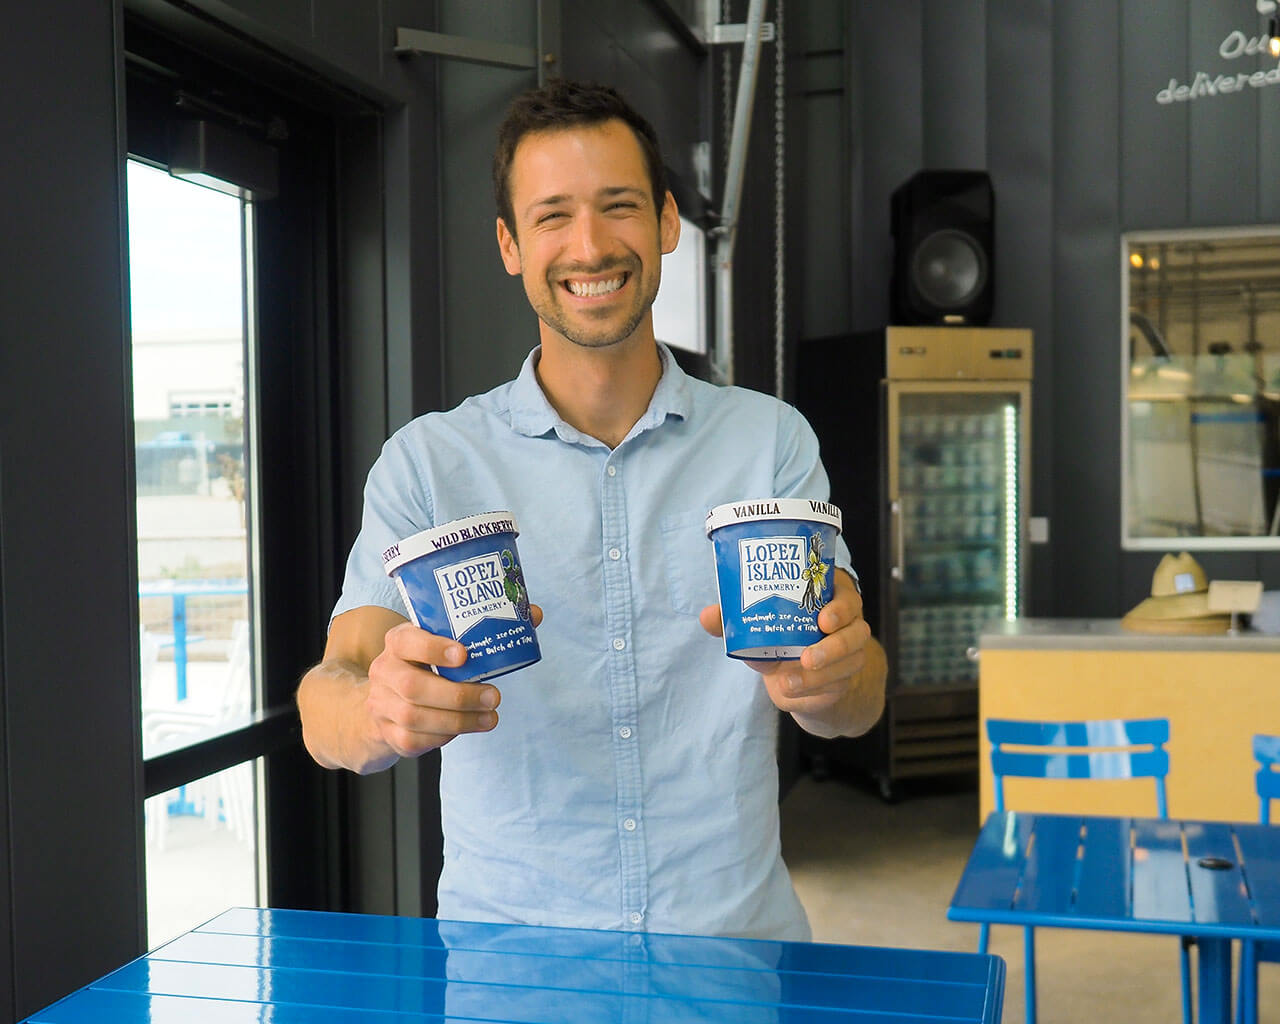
563 103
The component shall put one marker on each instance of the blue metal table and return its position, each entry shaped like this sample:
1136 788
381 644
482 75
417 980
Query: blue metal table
289 967
1215 881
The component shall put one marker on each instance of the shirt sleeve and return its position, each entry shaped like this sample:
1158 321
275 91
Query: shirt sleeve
397 504
799 472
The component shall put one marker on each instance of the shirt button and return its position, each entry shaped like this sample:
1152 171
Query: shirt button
636 917
615 554
629 824
625 732
635 940
619 644
612 470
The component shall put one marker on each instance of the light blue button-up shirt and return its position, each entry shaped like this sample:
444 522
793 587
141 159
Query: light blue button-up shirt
631 781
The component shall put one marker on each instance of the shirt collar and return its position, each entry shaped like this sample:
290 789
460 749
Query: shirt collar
532 415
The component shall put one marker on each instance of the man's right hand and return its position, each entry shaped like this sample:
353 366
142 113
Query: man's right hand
373 700
414 709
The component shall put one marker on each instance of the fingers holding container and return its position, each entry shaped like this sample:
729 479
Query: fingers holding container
471 620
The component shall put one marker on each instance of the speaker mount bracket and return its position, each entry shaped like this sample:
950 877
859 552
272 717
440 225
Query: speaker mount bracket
736 34
412 41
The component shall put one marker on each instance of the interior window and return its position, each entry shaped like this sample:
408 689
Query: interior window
1202 389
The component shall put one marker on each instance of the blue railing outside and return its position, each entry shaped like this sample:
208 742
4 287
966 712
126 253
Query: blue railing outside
178 591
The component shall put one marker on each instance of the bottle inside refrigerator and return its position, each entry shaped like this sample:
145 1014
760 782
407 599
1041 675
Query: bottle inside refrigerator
958 517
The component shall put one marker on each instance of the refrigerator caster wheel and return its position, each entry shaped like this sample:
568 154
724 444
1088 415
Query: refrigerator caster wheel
887 793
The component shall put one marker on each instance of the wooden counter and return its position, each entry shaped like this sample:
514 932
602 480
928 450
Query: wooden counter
1216 692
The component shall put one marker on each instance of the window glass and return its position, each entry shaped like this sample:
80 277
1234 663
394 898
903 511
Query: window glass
202 842
187 271
1202 389
680 309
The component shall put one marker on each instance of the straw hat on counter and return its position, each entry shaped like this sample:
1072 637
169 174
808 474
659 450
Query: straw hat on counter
1179 601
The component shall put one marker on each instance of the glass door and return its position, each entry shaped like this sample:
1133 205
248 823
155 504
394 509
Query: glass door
188 267
956 481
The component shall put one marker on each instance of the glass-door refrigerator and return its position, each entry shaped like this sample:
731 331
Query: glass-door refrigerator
927 448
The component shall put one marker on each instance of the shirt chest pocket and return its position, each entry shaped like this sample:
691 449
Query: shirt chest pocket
690 561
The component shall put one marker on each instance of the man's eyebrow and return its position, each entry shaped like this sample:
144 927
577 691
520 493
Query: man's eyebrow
548 201
618 190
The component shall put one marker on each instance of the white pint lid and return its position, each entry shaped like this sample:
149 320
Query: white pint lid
483 524
805 509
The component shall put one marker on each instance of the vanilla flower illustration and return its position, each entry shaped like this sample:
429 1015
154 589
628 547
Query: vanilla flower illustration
815 575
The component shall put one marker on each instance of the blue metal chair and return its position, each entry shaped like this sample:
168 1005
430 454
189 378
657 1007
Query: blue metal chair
1102 749
1266 751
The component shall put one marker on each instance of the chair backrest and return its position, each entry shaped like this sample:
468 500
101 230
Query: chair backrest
237 688
148 656
1113 748
1266 751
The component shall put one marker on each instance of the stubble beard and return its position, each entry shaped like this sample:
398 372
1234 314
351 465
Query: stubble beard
551 313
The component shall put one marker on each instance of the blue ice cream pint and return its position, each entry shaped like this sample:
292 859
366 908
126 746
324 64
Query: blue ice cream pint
775 565
463 580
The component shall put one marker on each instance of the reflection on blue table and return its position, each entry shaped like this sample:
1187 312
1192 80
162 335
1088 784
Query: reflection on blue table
290 967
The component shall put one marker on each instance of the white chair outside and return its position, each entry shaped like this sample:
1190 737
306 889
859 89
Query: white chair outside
227 796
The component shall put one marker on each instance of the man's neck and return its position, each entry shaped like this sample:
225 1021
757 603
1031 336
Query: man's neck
601 392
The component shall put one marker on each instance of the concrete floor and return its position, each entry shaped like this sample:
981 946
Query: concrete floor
871 873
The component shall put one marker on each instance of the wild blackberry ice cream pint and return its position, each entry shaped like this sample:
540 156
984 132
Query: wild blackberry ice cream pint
775 564
463 580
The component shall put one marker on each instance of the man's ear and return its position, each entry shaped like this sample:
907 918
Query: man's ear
509 249
669 225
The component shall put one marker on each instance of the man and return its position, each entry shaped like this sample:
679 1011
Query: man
632 782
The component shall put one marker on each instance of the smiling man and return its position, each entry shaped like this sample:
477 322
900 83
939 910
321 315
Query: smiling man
631 782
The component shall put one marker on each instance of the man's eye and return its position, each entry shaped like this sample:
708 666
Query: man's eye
621 206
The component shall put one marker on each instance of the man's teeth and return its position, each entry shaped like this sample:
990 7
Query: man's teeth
595 287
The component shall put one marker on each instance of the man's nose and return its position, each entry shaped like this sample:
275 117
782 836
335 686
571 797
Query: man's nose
588 243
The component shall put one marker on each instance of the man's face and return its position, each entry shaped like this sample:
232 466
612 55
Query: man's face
588 242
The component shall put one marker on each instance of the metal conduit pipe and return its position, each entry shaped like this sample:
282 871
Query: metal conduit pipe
735 168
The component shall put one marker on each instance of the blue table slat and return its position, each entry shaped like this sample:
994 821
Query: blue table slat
752 981
94 1006
577 943
1160 890
494 1003
1261 849
1104 877
995 866
1217 896
598 989
1048 878
290 967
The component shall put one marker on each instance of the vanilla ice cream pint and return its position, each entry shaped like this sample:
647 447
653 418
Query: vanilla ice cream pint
775 564
463 580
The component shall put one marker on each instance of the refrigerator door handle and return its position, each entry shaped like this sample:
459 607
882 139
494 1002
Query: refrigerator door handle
899 555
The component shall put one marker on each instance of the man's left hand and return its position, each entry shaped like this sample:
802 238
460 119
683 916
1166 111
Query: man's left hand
831 690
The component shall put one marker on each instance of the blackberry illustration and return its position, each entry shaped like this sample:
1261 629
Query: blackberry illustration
513 585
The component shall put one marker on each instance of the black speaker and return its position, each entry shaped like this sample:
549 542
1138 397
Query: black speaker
943 226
